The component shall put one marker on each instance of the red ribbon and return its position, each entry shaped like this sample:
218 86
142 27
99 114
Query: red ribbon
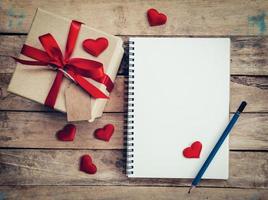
76 68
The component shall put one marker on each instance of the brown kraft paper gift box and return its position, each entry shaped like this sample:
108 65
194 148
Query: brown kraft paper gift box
34 82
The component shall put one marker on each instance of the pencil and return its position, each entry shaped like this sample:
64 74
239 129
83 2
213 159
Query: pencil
213 152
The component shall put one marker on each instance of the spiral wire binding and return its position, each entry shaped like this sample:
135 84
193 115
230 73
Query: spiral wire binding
129 119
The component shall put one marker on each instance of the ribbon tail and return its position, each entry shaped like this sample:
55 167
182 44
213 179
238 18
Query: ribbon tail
72 37
91 69
54 90
89 87
35 53
30 62
107 82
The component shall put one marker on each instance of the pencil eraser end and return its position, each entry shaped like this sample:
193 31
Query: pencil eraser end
242 106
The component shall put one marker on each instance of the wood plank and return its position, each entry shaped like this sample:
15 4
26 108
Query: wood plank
252 89
191 17
128 193
60 167
248 54
250 131
9 101
12 44
31 130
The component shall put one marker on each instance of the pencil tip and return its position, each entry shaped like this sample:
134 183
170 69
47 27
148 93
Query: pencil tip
189 191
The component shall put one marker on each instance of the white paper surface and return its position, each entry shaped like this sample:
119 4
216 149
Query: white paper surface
181 96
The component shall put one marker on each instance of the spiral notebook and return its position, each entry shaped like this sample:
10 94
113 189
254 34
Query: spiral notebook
178 94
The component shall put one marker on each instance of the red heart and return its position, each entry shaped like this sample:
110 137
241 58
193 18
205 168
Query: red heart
67 133
95 47
193 151
105 133
86 165
155 18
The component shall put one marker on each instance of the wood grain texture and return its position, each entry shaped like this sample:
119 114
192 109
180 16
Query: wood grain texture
9 101
254 90
37 130
50 169
60 167
128 193
186 17
248 54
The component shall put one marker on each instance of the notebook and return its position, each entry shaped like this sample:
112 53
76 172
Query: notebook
178 94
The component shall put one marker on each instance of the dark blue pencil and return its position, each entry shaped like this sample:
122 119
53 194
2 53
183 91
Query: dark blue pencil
218 145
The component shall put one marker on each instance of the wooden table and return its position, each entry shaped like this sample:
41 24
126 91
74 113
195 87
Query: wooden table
33 164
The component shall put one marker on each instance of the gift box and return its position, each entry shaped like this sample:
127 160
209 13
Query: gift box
54 69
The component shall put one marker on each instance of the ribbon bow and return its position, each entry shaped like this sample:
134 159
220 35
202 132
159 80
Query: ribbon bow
75 68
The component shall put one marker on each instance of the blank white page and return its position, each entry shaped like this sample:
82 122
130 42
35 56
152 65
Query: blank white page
181 95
